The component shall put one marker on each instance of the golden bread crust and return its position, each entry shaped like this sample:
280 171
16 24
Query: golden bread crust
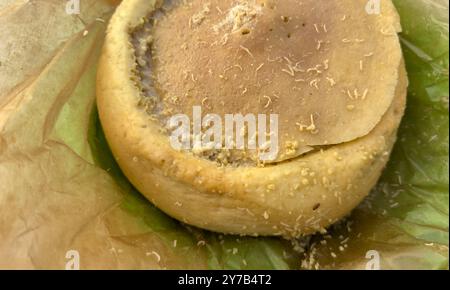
291 198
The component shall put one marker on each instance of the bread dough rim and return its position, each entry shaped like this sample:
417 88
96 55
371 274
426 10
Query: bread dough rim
243 200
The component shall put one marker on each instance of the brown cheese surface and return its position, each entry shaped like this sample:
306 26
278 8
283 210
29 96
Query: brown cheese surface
327 68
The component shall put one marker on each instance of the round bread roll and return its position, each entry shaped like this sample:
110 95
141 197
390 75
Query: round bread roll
331 71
